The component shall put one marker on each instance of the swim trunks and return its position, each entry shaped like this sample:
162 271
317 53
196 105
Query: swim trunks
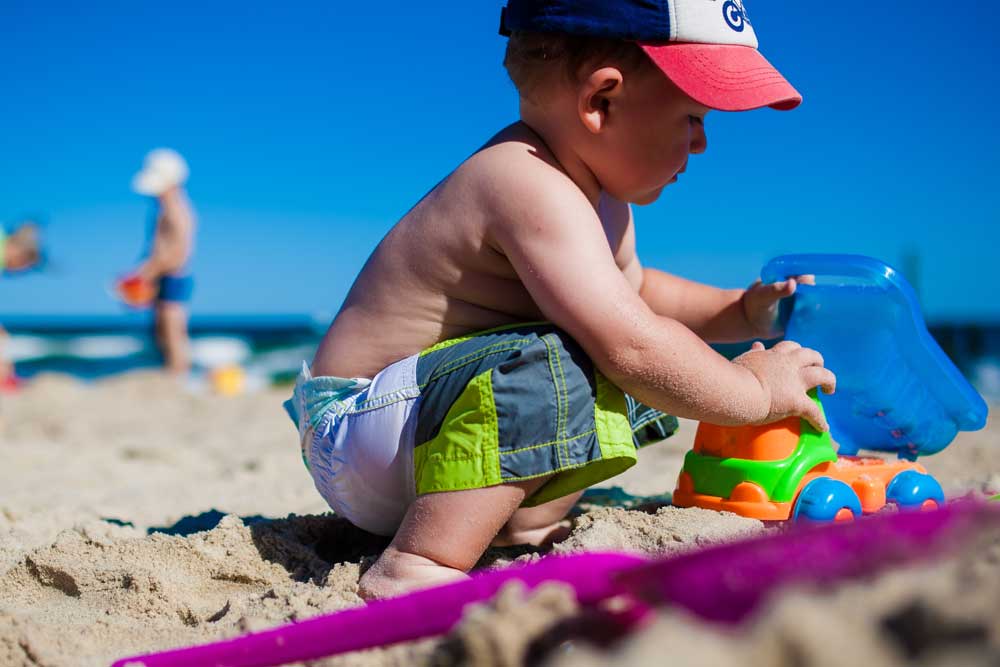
500 406
176 289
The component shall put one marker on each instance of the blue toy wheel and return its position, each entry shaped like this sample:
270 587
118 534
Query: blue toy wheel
911 489
823 498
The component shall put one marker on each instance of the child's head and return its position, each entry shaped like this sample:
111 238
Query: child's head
625 84
22 248
163 170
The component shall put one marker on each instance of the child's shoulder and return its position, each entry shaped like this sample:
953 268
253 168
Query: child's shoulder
516 171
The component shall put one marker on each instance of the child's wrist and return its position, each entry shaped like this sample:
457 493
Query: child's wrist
757 397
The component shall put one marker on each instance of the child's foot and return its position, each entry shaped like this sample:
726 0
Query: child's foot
397 572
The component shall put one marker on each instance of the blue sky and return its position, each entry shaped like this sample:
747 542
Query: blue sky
311 127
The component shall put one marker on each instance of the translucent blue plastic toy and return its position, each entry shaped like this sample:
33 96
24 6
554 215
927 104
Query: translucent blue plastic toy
897 391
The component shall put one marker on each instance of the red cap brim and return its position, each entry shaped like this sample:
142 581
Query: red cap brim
723 76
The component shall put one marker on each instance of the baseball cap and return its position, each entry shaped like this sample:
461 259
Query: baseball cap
162 169
708 48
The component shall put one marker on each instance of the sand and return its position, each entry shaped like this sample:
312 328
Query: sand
135 516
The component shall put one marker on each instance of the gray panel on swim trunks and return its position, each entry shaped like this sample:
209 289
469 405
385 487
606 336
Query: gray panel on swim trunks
531 462
546 397
453 367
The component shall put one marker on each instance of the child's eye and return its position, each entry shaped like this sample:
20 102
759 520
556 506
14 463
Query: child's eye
697 120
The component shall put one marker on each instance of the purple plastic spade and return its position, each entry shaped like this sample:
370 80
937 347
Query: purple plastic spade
414 616
722 584
726 583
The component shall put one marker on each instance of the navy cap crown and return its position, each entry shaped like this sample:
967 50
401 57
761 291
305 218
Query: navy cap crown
638 20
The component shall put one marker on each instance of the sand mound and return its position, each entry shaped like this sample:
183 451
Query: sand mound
69 602
136 516
669 531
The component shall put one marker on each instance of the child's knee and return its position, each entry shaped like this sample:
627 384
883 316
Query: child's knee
454 528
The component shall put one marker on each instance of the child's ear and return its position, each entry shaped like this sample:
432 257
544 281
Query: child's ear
598 94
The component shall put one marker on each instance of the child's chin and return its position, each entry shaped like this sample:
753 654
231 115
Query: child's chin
647 197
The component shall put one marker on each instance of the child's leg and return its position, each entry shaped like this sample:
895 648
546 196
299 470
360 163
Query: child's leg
172 335
6 368
538 525
442 537
495 410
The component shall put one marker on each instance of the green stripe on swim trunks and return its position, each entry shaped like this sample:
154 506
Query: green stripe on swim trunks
614 436
464 455
514 404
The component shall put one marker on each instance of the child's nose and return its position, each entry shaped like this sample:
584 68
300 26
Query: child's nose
699 140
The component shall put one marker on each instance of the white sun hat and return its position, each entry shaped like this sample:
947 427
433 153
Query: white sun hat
162 169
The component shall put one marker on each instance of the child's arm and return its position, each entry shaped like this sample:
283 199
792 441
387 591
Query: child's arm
717 315
554 239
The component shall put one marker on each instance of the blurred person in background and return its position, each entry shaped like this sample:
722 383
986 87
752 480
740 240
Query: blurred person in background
165 265
20 251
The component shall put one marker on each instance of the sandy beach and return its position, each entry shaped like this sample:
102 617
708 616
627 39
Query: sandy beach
135 516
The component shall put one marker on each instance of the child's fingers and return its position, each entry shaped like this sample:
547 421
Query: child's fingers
786 346
817 376
809 357
806 279
782 288
812 413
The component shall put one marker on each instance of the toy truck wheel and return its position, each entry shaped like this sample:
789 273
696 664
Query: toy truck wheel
912 490
826 499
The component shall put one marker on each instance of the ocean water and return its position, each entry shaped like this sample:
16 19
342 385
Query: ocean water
271 349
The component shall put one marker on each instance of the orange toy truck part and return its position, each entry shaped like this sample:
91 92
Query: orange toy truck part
767 442
867 476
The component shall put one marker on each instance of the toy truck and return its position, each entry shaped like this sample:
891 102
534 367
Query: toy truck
896 392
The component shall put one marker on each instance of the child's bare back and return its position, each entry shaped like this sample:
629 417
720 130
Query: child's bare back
442 273
504 348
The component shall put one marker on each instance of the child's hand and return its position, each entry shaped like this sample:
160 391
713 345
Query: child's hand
786 372
136 291
760 304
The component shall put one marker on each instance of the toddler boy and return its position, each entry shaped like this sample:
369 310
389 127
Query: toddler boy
504 348
166 262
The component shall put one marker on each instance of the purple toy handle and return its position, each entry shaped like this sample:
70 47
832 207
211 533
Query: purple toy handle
727 583
723 584
414 616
